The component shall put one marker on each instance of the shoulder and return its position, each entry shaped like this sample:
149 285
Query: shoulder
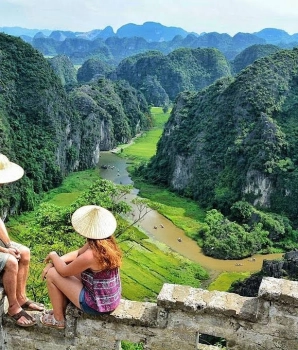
87 254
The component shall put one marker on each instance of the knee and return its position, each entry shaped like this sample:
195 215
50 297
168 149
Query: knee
51 274
25 255
12 265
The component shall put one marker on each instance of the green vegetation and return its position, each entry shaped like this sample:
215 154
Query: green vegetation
65 70
183 212
31 128
162 77
252 53
52 127
233 142
229 151
112 112
71 187
94 67
125 345
144 146
146 265
224 281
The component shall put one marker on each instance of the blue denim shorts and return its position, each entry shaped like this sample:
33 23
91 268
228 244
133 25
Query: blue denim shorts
87 309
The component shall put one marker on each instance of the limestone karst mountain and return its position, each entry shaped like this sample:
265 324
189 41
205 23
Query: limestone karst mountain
49 133
236 139
132 39
180 70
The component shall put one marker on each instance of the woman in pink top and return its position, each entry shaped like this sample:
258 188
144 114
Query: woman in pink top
88 277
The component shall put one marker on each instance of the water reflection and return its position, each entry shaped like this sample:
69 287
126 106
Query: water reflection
160 228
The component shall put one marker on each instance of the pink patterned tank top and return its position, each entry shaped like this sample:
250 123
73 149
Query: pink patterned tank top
102 289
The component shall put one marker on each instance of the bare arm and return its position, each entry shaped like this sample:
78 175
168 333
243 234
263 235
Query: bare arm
80 263
66 259
3 233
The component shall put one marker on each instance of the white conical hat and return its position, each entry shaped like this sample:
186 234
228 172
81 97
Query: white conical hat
9 171
93 221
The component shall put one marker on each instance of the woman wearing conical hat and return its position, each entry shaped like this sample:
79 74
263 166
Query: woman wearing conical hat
88 277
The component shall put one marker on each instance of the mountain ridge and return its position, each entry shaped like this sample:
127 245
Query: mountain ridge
129 29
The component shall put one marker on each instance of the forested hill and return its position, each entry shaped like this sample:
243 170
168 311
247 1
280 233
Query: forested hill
37 121
162 77
114 49
49 132
237 139
132 39
250 54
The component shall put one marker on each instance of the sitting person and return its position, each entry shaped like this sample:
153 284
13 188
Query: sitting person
88 277
14 260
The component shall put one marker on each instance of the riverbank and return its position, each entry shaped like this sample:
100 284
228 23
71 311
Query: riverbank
184 215
163 229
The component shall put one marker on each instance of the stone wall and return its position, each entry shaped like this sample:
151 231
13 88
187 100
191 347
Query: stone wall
176 321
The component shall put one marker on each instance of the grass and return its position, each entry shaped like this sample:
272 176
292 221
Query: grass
72 186
183 212
147 264
144 147
224 281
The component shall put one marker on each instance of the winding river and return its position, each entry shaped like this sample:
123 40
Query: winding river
158 227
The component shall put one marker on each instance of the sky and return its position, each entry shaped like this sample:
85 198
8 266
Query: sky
199 16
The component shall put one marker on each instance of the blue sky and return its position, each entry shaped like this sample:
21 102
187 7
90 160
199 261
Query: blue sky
223 16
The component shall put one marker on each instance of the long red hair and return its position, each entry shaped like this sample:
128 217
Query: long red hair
107 252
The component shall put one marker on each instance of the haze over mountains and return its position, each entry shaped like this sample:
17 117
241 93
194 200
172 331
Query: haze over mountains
150 31
132 39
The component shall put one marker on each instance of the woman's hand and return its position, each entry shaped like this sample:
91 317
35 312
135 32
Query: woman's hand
45 271
49 260
50 256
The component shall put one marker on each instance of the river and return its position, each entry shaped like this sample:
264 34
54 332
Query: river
158 227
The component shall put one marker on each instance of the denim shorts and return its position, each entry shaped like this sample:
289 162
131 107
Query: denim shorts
4 256
87 309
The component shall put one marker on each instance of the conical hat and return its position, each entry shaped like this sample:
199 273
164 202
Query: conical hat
93 221
9 171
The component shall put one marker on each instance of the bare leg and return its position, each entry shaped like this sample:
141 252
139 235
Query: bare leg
62 289
22 278
10 286
23 275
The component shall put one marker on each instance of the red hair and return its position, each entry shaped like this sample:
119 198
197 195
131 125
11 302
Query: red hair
107 252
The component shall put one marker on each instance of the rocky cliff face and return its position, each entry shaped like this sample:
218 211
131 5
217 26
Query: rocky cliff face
236 139
111 113
38 123
285 268
51 133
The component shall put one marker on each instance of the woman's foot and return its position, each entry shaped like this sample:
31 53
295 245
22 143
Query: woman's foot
49 320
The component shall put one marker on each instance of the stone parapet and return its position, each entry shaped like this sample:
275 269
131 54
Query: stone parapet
177 320
201 301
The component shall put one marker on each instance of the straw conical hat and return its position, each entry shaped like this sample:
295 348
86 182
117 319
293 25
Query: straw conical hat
93 221
9 171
